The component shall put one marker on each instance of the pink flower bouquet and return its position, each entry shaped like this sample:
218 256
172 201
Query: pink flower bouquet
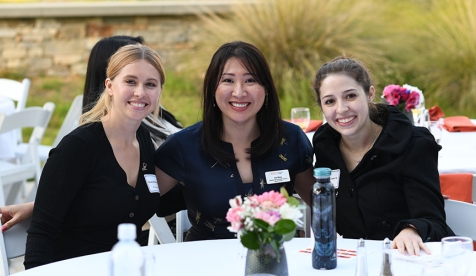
401 97
270 218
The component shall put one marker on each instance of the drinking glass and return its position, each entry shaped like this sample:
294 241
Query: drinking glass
436 129
457 252
301 117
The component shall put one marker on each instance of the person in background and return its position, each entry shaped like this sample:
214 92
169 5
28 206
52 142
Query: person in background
159 126
389 181
241 140
102 173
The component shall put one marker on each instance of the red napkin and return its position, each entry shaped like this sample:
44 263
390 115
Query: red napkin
459 186
435 113
459 124
313 125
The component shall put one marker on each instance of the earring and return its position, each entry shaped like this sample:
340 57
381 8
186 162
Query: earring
214 104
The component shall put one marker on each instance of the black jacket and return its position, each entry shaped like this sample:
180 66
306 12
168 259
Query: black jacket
395 184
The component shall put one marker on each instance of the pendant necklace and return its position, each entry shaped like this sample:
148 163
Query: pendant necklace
370 146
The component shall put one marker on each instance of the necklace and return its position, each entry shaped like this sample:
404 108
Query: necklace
347 153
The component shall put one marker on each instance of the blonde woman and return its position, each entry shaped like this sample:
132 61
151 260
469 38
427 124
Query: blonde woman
102 173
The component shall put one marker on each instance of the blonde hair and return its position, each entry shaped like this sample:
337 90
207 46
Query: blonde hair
123 57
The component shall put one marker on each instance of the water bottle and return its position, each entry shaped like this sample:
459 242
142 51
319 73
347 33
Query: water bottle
126 255
361 269
323 221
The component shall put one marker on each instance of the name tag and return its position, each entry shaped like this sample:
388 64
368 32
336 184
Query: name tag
335 176
151 181
277 177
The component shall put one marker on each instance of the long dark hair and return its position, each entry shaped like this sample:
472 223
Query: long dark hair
354 69
96 75
97 65
268 117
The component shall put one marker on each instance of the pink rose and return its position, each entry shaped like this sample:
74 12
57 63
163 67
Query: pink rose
412 101
234 216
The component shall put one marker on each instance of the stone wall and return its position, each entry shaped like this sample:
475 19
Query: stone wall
56 38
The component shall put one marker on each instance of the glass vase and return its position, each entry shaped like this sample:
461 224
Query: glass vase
264 261
409 115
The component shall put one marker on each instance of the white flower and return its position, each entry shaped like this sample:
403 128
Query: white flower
290 212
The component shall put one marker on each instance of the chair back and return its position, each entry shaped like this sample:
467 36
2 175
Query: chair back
15 90
13 243
182 224
18 92
159 231
458 186
71 121
461 218
29 165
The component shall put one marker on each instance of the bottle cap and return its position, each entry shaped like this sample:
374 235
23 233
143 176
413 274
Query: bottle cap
126 231
322 172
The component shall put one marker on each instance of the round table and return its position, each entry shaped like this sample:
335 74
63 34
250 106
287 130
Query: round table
227 257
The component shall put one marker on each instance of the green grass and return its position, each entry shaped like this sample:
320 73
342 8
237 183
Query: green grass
425 43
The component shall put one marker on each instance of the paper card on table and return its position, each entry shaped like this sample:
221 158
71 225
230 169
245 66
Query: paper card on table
341 253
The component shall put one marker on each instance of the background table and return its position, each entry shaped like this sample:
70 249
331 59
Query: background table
7 140
458 154
227 257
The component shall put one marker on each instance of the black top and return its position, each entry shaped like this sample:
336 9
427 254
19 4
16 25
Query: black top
208 186
395 184
83 195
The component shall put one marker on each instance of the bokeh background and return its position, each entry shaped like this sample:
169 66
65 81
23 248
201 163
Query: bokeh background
430 44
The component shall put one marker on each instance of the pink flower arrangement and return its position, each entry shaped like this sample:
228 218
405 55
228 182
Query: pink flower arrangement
401 97
269 218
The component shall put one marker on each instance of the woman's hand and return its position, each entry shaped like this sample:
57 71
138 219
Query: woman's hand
14 214
409 239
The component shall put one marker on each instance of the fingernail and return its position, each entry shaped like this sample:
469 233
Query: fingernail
4 228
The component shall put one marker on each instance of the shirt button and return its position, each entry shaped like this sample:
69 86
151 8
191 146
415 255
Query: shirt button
137 197
385 224
351 192
131 215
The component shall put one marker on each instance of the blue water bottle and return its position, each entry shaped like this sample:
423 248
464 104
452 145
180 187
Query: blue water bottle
323 221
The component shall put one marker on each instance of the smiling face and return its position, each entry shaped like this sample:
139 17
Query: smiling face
345 104
238 95
135 91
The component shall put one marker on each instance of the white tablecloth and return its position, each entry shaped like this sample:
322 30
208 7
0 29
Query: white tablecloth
7 140
458 154
227 257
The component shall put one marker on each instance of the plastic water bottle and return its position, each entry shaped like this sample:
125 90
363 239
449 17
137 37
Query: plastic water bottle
126 255
323 221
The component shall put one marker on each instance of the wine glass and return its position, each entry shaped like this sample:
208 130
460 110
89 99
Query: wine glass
457 253
301 117
435 128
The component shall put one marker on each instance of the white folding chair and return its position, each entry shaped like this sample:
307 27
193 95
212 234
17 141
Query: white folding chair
461 218
29 165
159 231
70 122
182 224
18 92
13 244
